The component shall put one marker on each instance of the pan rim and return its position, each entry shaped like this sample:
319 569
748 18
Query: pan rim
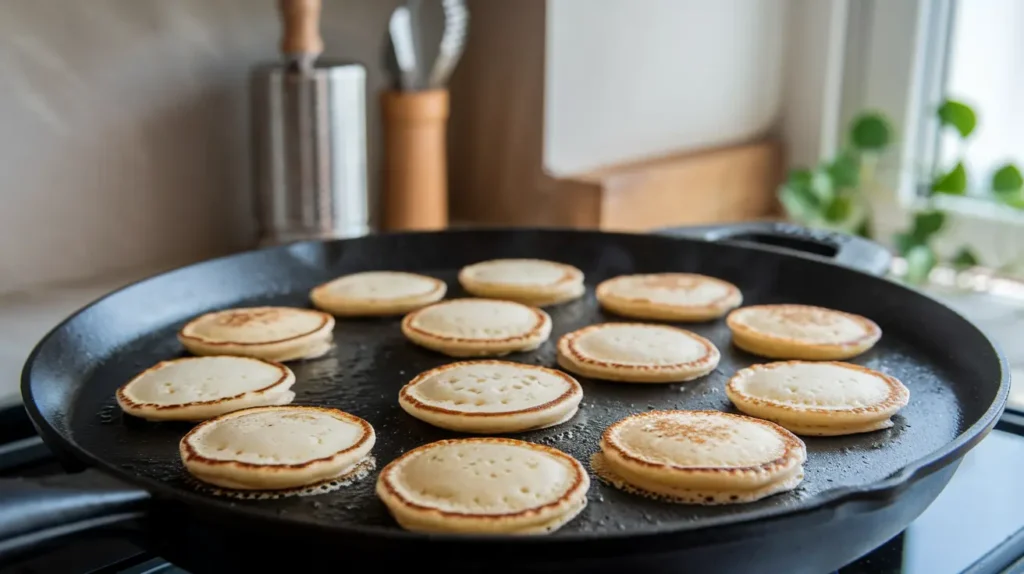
831 499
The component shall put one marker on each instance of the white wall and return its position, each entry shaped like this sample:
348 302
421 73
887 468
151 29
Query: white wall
630 79
815 51
124 138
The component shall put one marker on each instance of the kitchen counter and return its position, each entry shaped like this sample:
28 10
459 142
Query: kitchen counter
1002 319
26 317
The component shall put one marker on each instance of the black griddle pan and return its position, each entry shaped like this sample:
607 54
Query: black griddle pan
858 492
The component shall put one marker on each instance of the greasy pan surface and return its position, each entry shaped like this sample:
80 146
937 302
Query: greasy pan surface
953 372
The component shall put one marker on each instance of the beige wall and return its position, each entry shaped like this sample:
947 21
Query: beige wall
124 125
628 80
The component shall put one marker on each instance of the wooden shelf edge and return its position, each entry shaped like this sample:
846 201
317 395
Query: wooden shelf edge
730 184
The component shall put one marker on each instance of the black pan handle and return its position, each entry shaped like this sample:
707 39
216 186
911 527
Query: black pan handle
37 511
847 250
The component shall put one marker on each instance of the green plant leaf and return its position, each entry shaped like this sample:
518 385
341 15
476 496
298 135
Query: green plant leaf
845 170
1016 202
1007 179
965 258
839 209
920 262
799 178
905 242
800 202
953 183
864 229
1008 186
822 186
959 116
927 224
796 195
871 132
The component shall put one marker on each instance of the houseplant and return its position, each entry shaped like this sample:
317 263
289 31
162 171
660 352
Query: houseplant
831 194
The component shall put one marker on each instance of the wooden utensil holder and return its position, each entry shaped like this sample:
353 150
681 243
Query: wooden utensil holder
415 160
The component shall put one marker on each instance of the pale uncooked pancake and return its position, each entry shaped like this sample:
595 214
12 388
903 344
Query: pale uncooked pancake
377 293
700 457
637 353
198 388
271 333
529 281
491 397
818 398
271 448
485 485
477 327
801 332
668 296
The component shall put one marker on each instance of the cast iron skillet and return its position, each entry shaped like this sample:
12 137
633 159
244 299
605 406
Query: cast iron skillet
858 492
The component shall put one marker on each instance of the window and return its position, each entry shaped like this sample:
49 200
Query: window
903 58
985 68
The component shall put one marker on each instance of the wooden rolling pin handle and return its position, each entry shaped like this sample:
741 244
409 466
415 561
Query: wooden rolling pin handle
415 162
301 34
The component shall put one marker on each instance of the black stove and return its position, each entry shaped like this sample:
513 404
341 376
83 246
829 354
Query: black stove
976 526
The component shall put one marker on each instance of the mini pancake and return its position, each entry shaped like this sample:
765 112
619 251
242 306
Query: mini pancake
818 398
477 327
491 397
637 353
484 485
700 457
684 297
801 332
275 448
377 293
270 333
529 281
199 388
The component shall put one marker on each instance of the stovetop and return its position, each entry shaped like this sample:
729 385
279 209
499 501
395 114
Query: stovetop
976 526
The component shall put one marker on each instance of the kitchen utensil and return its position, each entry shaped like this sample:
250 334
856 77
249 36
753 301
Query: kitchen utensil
453 40
416 112
309 138
403 62
859 490
439 34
